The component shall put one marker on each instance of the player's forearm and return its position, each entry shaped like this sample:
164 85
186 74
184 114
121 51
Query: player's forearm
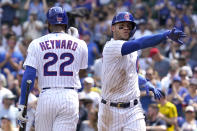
141 43
30 74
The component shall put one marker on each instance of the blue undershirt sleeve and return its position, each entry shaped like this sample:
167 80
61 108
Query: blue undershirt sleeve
141 80
141 43
30 74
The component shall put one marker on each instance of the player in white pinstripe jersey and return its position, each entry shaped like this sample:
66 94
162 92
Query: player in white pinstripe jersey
57 58
120 108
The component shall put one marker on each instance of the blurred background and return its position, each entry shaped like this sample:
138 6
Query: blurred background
170 67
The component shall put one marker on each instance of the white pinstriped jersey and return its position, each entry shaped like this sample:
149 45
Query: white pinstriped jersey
58 57
119 75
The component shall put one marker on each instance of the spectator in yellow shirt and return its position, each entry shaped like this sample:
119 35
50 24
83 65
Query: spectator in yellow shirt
168 113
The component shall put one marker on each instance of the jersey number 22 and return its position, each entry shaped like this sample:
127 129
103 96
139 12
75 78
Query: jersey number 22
62 72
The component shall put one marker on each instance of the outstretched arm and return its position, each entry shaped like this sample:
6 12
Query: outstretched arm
152 40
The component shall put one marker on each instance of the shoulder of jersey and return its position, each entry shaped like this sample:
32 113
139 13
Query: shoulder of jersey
71 37
111 42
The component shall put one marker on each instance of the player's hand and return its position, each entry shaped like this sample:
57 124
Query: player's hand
150 87
73 32
20 116
175 35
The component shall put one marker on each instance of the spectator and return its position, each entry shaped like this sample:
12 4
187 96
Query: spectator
144 60
190 123
9 109
65 5
153 123
93 51
169 23
4 31
174 51
183 74
176 93
9 10
167 112
187 40
191 97
167 80
192 47
180 18
183 65
88 84
146 100
6 124
83 112
16 27
32 28
37 7
162 64
153 77
3 90
140 14
142 31
120 7
23 45
11 58
91 123
102 26
97 70
164 7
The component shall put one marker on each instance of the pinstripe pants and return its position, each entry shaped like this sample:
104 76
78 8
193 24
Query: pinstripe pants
57 110
121 119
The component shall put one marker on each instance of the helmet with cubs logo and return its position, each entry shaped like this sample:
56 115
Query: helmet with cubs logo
124 17
57 15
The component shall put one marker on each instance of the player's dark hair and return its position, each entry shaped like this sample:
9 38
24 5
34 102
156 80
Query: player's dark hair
53 28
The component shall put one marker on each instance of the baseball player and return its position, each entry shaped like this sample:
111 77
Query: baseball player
120 108
57 59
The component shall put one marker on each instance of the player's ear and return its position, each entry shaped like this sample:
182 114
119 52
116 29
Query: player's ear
113 28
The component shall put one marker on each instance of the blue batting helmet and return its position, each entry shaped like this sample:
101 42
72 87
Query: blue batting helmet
57 15
123 17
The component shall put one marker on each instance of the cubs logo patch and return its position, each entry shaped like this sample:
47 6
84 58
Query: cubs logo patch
59 19
126 17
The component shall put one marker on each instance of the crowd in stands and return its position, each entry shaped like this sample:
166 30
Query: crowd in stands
169 66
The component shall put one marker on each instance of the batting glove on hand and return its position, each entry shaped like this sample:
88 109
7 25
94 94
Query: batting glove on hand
73 32
150 87
175 35
20 116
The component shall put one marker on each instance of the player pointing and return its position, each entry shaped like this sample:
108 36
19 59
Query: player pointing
57 58
120 108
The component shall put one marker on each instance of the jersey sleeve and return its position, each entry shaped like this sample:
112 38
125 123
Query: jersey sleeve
113 48
84 55
31 59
